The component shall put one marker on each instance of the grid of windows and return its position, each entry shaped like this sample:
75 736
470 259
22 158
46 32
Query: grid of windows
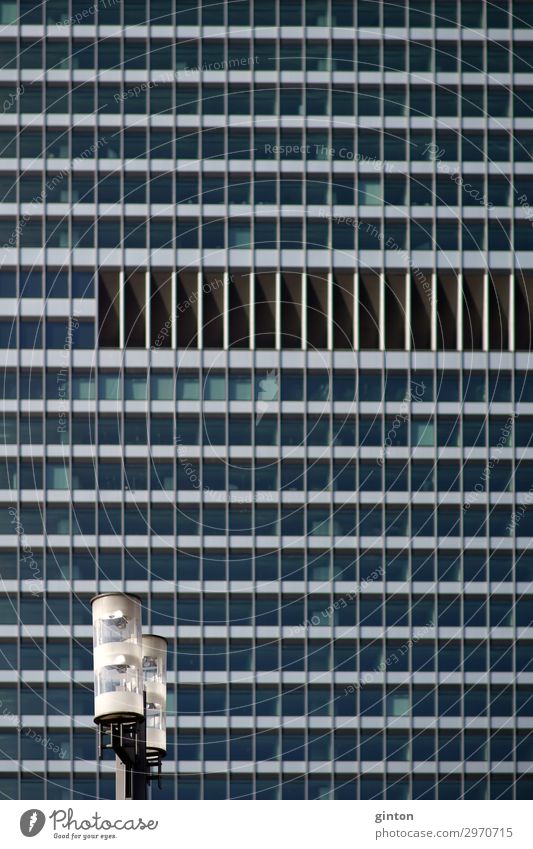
323 612
311 13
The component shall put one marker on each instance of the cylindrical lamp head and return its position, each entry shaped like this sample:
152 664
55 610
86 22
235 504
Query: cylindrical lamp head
154 651
117 641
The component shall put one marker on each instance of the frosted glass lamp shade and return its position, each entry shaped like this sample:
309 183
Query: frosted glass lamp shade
117 640
155 686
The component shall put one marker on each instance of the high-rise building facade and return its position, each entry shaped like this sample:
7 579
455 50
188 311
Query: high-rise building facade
265 320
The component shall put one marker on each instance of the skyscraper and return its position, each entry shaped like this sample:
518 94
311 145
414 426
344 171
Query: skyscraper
265 297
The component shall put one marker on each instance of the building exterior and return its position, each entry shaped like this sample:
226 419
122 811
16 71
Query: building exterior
265 327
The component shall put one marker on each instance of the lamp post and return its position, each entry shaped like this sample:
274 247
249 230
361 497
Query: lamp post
129 692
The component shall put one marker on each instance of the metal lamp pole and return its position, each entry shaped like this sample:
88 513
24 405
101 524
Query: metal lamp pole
129 692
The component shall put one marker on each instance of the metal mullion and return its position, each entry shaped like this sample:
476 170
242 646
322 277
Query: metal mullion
514 572
434 219
174 273
251 301
512 280
331 593
407 278
18 553
254 640
174 467
227 372
434 309
279 587
278 307
226 551
201 173
72 506
303 304
331 505
436 686
514 553
485 208
121 288
511 303
306 547
97 457
459 329
434 276
18 499
330 325
147 310
253 465
122 121
202 628
175 638
201 532
329 277
94 84
18 364
384 672
355 322
304 273
514 685
149 577
252 346
408 275
460 292
486 462
381 305
174 317
200 304
227 175
252 273
488 729
463 691
382 251
226 277
461 640
411 689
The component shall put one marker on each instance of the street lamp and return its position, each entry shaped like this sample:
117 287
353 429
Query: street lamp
129 692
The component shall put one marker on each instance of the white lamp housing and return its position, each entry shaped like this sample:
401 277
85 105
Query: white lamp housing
117 636
154 651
